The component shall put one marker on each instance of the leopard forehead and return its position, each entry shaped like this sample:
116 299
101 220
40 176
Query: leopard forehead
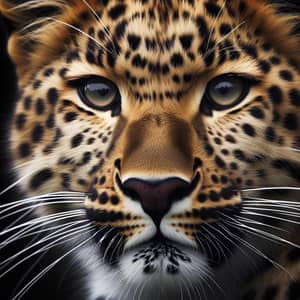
161 38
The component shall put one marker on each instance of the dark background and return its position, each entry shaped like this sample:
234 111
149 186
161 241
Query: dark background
51 286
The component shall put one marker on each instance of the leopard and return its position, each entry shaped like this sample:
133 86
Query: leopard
157 145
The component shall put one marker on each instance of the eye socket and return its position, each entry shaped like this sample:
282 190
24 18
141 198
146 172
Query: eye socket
226 91
99 93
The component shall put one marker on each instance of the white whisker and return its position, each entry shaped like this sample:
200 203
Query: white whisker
20 294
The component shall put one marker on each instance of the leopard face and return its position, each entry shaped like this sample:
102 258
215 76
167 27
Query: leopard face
163 113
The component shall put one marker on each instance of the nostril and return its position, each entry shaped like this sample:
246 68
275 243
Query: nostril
157 196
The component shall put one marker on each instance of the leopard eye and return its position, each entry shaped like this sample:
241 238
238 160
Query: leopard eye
99 93
227 90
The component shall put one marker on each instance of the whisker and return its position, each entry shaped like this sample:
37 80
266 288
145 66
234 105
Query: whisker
55 234
224 38
20 294
42 197
15 183
213 26
39 205
254 222
254 249
96 15
47 247
55 216
269 236
277 211
28 232
269 216
82 32
289 188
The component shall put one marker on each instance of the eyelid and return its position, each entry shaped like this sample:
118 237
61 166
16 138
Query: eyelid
76 81
252 79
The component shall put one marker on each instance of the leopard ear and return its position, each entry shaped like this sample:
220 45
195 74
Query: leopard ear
26 18
289 8
23 12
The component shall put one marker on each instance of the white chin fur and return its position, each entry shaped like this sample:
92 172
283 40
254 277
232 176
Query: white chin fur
168 276
129 280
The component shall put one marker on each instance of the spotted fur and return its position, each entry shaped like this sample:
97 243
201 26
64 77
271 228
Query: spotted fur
161 55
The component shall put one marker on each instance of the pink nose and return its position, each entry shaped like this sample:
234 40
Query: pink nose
156 197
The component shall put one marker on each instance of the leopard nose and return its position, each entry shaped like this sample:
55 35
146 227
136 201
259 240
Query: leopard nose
156 197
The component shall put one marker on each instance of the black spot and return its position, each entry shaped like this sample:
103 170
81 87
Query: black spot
27 103
52 96
76 140
102 180
48 72
103 198
37 84
138 61
229 138
220 162
257 112
72 55
37 133
250 50
62 72
40 106
114 199
290 121
266 47
70 116
227 193
294 291
197 163
214 196
239 155
248 129
264 66
233 166
186 41
275 94
93 194
286 75
66 180
202 198
187 77
24 150
270 134
225 29
294 96
20 121
121 28
113 50
117 11
133 41
90 57
50 122
176 60
212 9
275 60
202 26
209 149
41 177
